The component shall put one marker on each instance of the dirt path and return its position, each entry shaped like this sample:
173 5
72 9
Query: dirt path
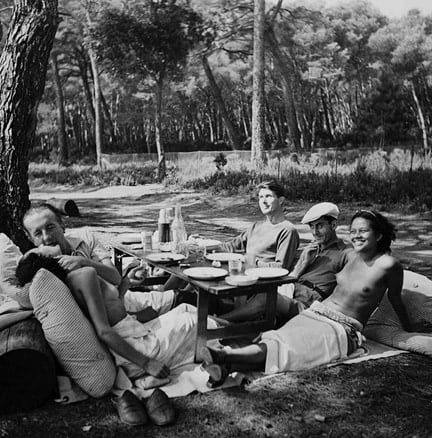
113 211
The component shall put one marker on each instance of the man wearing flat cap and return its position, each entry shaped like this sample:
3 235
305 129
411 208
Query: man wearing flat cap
318 264
316 268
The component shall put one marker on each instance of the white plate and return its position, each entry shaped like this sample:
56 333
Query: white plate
204 242
267 272
224 256
165 257
241 280
205 273
131 238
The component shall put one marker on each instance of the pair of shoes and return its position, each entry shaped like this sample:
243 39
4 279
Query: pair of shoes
217 372
130 409
159 408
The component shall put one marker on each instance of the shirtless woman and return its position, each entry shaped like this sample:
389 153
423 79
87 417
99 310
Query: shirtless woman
329 330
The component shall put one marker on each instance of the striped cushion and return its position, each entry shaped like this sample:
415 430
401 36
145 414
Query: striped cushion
384 325
71 336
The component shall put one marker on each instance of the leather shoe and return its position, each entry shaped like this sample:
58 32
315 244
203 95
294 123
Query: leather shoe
130 409
159 408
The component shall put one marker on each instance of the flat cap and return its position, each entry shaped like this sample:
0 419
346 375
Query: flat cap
320 210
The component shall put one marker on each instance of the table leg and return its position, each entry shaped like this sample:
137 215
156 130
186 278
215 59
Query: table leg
270 310
201 339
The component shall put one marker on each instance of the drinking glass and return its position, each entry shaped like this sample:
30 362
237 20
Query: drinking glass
183 248
235 266
197 252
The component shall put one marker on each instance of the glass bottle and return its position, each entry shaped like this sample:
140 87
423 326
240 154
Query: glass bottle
178 228
164 227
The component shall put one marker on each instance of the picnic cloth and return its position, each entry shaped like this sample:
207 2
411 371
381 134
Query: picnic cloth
192 378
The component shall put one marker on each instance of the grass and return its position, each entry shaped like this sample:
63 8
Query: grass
385 398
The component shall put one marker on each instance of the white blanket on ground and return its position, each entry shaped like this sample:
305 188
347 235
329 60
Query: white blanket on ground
191 378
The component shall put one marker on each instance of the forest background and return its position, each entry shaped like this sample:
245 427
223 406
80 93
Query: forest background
347 98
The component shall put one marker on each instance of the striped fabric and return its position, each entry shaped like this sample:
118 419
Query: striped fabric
384 326
71 336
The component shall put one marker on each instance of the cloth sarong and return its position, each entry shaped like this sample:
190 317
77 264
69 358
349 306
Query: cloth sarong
317 336
170 338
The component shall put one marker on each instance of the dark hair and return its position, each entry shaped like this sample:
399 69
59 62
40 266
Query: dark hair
273 186
30 264
380 225
44 206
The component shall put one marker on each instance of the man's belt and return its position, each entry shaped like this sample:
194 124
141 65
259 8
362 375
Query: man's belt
312 286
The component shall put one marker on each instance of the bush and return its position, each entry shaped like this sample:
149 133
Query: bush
85 175
362 186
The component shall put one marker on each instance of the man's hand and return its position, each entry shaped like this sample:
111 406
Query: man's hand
71 263
136 276
156 368
309 253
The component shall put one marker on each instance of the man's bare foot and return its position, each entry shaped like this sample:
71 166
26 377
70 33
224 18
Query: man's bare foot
212 356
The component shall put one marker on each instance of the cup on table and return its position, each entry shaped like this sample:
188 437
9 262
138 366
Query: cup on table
196 252
146 240
183 248
235 266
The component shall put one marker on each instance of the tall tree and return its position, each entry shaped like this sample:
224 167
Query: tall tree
23 66
150 42
258 99
61 123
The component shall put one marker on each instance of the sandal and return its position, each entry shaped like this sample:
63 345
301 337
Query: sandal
217 374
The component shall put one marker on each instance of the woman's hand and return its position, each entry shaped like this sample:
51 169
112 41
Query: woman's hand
156 368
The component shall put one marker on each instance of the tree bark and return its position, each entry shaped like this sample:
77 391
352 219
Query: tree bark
97 107
288 83
23 67
420 118
233 136
258 99
82 65
158 131
108 117
61 123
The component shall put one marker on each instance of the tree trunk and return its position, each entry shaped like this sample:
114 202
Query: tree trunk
158 131
258 101
23 66
108 117
420 118
97 107
288 84
61 123
233 136
82 64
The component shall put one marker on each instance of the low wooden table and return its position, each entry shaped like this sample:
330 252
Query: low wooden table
220 289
